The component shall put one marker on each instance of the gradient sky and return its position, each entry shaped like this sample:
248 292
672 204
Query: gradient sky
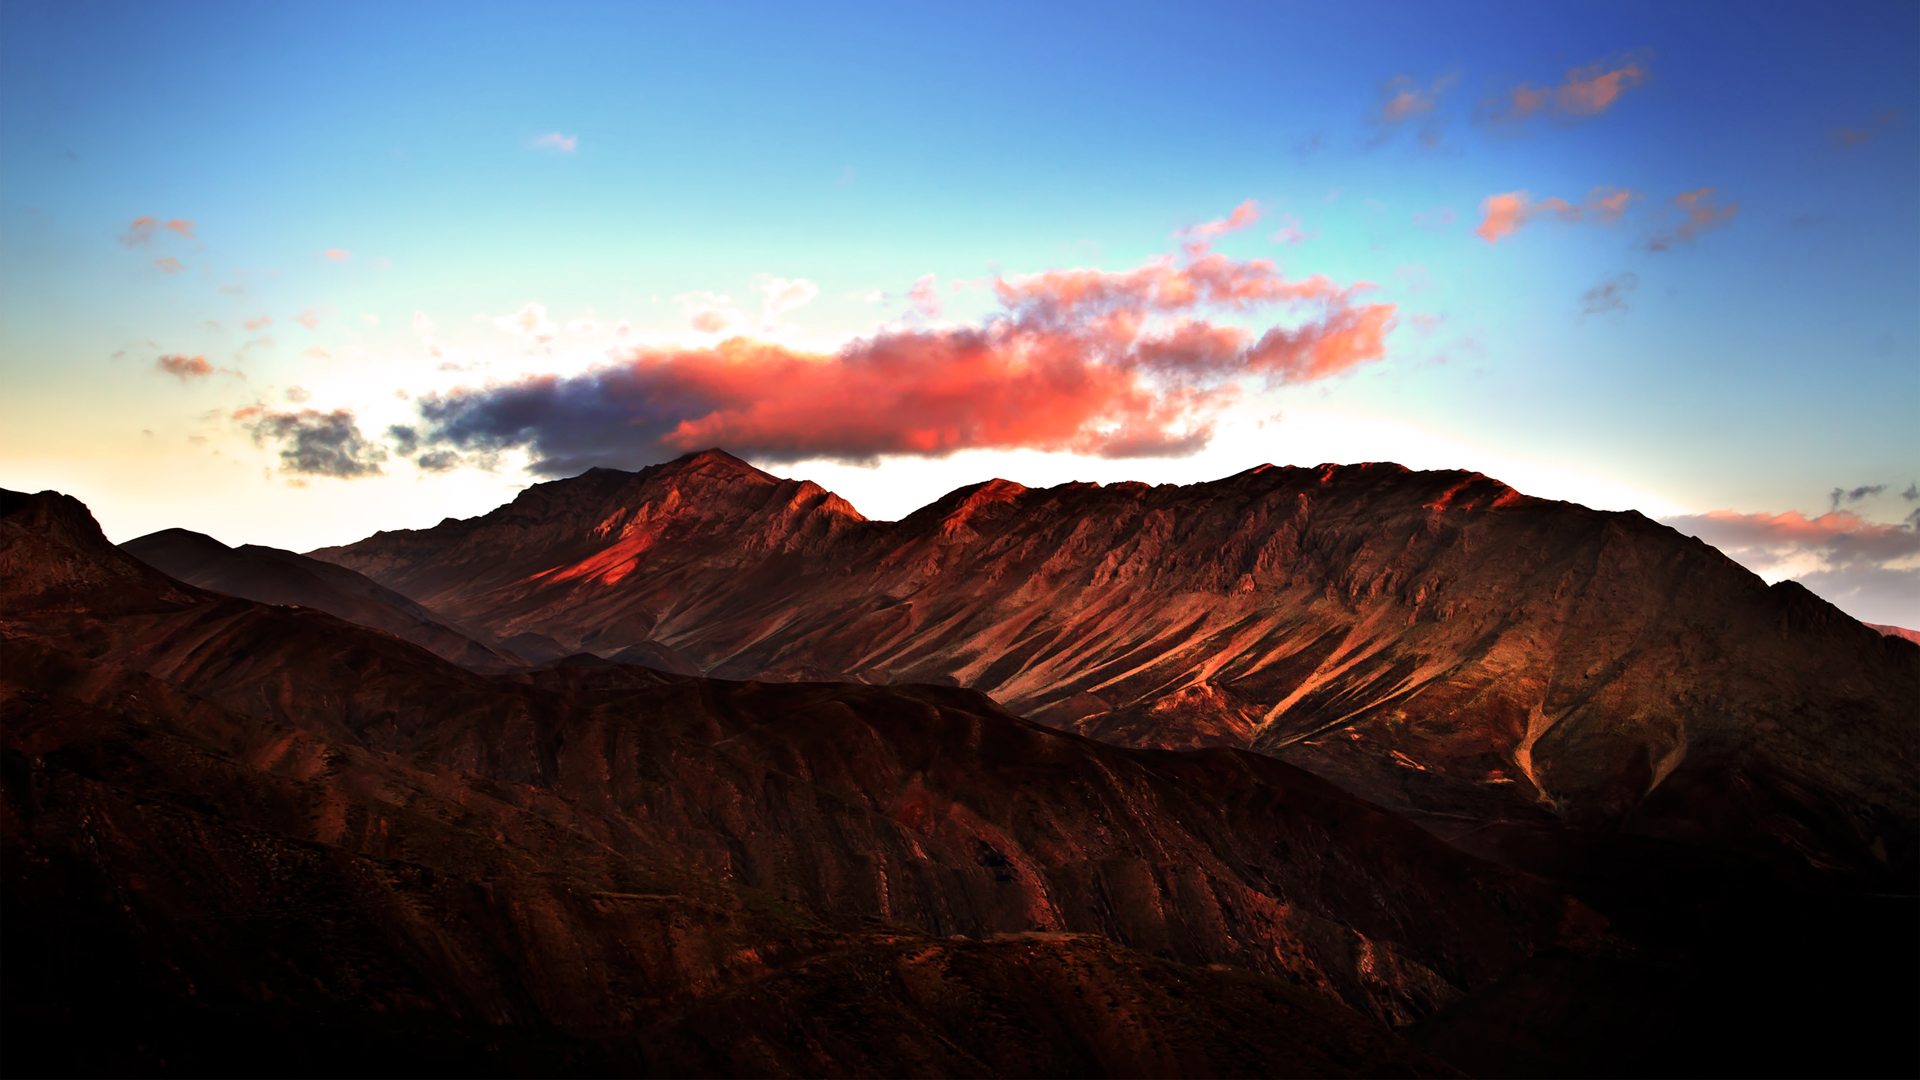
291 273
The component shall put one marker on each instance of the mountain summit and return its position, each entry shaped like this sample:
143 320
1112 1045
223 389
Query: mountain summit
1435 641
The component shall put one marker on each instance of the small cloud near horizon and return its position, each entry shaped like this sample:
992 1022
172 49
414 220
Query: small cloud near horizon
553 140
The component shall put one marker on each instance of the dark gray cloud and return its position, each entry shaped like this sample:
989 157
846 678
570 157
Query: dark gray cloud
315 443
1610 295
1912 492
1840 495
406 439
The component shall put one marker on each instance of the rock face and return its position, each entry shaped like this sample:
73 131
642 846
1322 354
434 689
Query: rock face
273 576
1436 642
226 823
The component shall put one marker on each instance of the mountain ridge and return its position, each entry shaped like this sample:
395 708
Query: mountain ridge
1437 642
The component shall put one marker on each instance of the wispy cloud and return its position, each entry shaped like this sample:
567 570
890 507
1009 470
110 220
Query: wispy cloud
1115 363
553 140
924 297
1848 138
1407 104
337 254
1610 296
141 230
312 317
1585 92
1700 211
167 264
257 323
184 367
1503 215
1242 217
530 323
784 295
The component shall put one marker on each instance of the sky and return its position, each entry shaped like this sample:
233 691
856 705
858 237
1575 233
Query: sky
293 273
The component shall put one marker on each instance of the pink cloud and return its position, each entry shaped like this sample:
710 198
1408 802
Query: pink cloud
181 226
421 323
1242 216
167 264
1290 232
184 367
1585 92
1504 214
311 317
338 254
1112 363
141 231
925 297
553 140
1700 213
255 324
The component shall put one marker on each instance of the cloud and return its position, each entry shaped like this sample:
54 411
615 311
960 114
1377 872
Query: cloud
142 228
925 297
1585 92
1870 570
314 443
553 140
1912 493
1841 495
421 323
184 367
1436 219
1848 138
584 328
298 395
1701 214
1118 364
1243 216
1610 295
1404 102
337 254
784 295
255 324
1502 215
530 323
1290 232
167 264
311 317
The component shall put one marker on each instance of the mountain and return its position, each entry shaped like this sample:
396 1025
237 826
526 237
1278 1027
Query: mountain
229 828
1897 631
1495 666
273 576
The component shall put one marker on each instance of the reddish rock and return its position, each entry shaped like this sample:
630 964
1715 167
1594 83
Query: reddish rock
1436 642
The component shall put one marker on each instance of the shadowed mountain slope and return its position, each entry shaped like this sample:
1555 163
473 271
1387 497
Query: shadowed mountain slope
273 576
226 822
1434 641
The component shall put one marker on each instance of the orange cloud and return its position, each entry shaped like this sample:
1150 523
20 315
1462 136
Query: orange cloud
1701 213
1243 215
167 264
1091 361
1585 92
141 231
338 254
184 367
311 317
255 324
1502 215
181 226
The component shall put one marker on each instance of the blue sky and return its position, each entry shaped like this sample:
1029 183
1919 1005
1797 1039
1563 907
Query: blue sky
646 164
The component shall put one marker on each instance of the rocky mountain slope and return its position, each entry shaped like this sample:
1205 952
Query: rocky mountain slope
1489 663
227 824
273 576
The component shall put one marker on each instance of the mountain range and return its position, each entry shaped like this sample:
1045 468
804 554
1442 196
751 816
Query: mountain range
695 771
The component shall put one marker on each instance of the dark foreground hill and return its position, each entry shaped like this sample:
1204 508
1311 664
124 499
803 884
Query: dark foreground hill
1491 664
249 838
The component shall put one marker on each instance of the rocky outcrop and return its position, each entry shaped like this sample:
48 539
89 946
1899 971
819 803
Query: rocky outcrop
1436 642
